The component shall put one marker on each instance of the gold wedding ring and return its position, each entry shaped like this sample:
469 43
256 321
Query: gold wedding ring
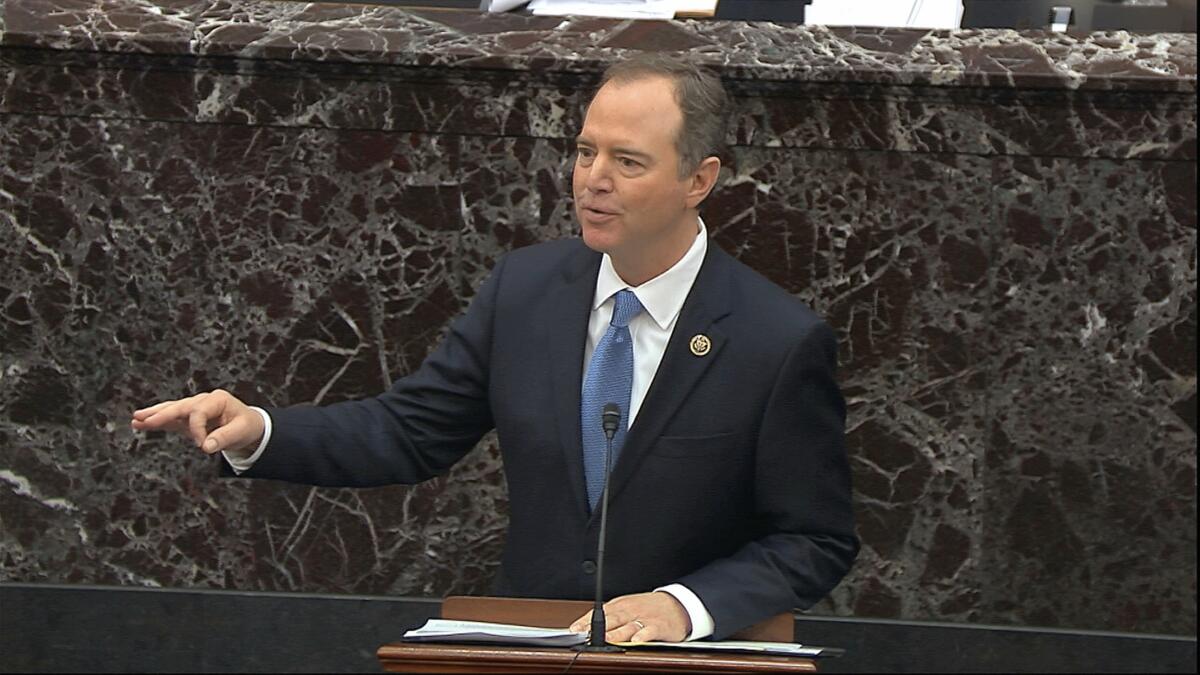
640 625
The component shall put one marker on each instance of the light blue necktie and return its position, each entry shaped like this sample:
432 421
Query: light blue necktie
609 380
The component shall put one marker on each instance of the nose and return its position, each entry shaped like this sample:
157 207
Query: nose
599 176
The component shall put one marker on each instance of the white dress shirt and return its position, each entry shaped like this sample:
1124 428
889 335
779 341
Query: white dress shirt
662 297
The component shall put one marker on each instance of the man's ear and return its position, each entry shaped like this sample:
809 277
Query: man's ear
702 181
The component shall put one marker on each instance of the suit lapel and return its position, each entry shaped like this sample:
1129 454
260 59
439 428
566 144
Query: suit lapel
680 370
568 309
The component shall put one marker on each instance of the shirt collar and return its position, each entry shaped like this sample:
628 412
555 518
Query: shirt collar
662 296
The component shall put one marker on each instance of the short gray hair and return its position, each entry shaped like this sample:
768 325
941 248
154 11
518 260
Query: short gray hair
700 96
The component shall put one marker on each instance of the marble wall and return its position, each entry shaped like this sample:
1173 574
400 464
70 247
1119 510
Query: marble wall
291 201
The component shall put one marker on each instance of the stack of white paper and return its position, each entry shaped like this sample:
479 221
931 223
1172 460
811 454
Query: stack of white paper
443 630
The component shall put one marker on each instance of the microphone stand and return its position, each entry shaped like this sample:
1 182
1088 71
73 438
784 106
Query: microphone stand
611 417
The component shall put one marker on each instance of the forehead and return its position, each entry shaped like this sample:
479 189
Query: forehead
641 112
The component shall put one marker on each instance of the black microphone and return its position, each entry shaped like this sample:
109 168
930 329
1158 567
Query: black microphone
610 419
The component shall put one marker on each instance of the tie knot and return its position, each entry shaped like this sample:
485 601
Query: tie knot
627 307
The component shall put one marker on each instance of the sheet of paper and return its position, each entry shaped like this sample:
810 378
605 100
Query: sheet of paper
777 648
497 6
617 9
885 13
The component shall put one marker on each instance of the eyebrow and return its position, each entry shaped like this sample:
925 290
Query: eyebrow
630 151
620 150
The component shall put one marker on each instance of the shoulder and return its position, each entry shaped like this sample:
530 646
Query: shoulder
555 256
770 325
762 303
529 272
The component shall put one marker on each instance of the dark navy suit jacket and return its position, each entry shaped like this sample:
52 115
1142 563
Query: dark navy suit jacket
733 479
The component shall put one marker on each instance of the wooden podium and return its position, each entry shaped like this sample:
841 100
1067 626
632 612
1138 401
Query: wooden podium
403 657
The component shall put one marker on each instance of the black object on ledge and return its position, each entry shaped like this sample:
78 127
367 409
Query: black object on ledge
1155 16
779 11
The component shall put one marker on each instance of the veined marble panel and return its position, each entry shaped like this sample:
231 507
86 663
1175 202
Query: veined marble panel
184 261
906 286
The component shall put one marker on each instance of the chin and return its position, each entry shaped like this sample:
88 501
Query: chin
597 240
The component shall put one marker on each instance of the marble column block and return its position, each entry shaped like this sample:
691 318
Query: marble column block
907 289
1093 405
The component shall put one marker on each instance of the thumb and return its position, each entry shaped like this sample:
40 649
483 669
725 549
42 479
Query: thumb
235 435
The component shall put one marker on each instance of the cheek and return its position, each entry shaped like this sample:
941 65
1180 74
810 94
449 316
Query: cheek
660 196
673 196
578 177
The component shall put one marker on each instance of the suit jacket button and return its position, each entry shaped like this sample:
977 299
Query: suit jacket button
589 567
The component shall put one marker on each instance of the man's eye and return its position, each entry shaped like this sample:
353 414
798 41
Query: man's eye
628 163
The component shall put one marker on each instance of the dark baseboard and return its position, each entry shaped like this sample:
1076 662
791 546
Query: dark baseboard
54 628
879 645
46 628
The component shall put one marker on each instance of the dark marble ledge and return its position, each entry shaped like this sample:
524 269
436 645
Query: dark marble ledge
391 74
169 89
432 605
259 29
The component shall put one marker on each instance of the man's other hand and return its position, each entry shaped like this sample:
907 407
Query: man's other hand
644 617
214 421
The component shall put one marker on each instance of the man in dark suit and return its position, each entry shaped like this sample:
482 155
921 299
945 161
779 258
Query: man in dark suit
730 494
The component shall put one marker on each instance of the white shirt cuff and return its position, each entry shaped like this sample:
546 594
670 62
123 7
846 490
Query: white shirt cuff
239 460
702 621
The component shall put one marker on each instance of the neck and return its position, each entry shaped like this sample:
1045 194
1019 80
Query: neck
637 267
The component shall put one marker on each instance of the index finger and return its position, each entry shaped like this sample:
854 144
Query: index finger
582 624
616 614
168 415
143 413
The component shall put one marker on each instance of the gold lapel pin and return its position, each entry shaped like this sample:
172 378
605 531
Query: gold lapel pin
700 344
